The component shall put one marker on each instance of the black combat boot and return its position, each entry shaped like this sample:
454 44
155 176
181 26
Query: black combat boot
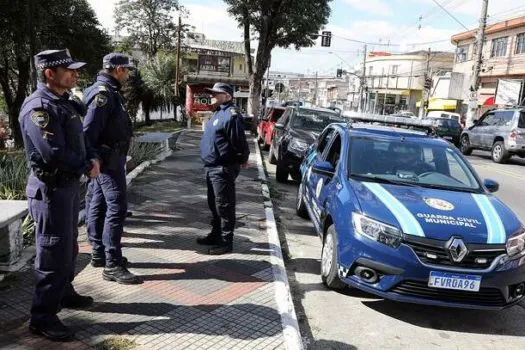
224 246
55 330
120 274
210 239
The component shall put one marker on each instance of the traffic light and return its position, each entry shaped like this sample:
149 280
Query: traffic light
326 39
339 73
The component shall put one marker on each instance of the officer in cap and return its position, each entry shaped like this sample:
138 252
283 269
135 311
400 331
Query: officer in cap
58 155
224 151
108 127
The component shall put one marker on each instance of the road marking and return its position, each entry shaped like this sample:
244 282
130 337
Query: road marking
283 296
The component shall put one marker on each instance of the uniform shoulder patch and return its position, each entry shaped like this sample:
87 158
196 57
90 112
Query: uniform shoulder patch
101 100
40 118
234 112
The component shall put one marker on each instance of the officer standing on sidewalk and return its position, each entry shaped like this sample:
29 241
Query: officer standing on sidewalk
58 155
224 151
108 127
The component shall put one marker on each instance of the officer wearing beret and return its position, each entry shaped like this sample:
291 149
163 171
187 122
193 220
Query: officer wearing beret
108 127
58 155
224 151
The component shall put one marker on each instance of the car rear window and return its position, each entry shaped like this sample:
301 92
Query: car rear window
277 113
448 123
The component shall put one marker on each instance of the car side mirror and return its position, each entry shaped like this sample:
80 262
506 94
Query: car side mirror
323 168
279 126
491 185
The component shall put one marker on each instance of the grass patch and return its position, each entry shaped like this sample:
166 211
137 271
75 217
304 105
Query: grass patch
13 175
143 151
116 343
161 126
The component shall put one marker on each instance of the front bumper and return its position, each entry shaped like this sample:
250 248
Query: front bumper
405 278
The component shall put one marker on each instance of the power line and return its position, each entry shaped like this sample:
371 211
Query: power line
450 14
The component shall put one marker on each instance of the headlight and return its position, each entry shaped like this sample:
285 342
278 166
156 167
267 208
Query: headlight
377 231
298 145
516 245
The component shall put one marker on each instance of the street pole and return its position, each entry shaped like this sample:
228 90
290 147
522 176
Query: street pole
424 98
177 64
360 107
315 92
480 38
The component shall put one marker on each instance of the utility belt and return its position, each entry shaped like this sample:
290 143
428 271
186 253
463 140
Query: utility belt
112 155
54 179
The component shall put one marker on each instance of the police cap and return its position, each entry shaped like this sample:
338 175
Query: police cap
115 59
220 88
56 58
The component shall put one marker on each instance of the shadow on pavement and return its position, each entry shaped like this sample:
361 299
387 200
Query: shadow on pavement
450 319
323 344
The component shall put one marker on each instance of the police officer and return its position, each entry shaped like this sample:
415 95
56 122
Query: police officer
224 151
58 155
108 127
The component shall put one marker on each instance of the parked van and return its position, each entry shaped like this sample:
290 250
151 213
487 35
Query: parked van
444 114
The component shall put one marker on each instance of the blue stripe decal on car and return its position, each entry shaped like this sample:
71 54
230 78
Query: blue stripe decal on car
406 219
495 229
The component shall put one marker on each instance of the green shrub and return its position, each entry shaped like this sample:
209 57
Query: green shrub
28 229
143 151
13 176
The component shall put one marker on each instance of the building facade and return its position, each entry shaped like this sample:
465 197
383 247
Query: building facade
210 61
395 82
503 63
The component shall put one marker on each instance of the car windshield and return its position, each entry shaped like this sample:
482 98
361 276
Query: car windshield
411 163
314 120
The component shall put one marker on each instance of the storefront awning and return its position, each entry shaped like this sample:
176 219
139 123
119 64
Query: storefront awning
212 79
489 101
439 104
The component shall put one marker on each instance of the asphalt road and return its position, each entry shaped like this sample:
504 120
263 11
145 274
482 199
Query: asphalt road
352 319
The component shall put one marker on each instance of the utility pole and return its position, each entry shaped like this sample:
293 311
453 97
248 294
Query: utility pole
480 38
426 92
315 91
177 64
360 107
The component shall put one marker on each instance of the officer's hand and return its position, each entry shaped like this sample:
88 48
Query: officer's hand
93 173
245 165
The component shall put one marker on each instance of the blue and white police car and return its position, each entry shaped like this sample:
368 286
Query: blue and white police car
404 216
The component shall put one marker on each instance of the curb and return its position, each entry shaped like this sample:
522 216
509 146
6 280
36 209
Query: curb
283 297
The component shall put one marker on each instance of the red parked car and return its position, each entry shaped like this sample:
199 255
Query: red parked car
265 127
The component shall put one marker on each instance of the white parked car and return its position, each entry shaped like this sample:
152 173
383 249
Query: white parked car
444 114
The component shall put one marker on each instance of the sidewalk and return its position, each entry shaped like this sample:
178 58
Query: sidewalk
189 300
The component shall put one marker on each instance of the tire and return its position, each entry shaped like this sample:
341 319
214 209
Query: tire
272 158
300 205
499 154
329 269
281 173
464 145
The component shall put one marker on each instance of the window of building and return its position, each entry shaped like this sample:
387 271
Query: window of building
394 69
370 70
499 47
240 67
520 43
462 53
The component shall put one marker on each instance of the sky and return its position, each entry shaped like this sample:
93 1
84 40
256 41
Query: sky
387 25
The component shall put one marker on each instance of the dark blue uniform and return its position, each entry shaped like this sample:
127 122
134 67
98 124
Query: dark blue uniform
57 155
108 127
223 149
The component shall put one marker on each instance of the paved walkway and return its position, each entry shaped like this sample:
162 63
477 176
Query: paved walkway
189 300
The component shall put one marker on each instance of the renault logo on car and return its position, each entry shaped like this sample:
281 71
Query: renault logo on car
457 249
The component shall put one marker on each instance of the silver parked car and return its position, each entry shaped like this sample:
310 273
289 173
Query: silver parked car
501 131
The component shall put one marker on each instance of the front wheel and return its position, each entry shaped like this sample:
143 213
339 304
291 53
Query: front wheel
329 269
465 145
499 153
300 207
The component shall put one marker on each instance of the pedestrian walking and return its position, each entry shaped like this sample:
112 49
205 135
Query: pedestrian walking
108 127
224 150
58 155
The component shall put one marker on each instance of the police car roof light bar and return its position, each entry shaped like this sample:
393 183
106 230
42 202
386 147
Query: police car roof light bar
389 120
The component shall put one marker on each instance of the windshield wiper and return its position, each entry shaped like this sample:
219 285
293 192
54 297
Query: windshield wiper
450 188
383 180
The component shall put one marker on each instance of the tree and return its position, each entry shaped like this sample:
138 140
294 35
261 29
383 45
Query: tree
150 23
30 26
275 23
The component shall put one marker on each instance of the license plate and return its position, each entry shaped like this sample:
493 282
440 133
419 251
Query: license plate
447 280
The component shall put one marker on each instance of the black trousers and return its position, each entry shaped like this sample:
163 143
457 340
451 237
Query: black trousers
221 199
